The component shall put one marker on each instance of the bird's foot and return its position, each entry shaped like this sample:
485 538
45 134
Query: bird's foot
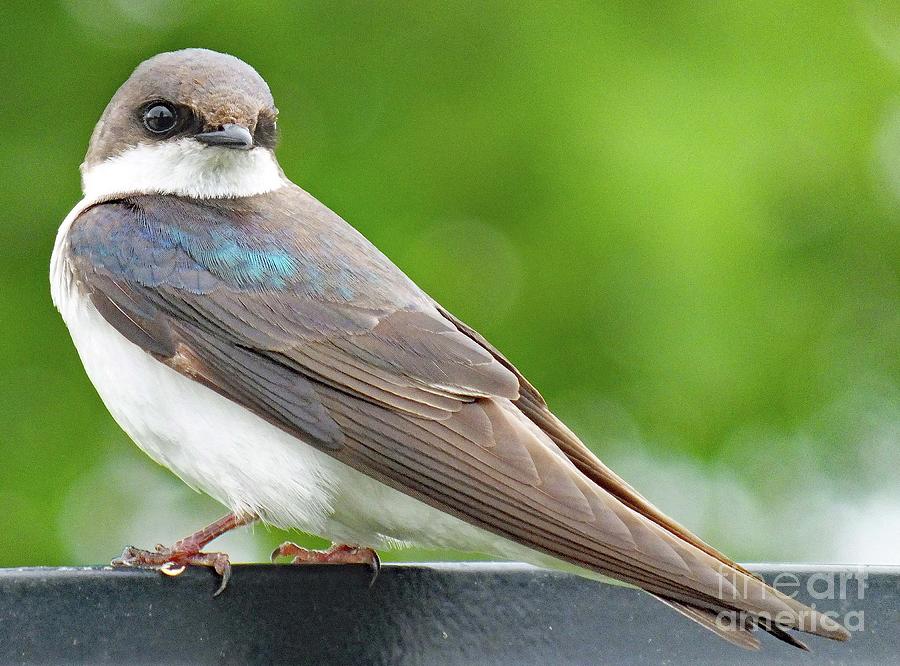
173 561
337 554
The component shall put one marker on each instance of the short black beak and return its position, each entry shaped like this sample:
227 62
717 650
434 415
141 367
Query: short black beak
230 136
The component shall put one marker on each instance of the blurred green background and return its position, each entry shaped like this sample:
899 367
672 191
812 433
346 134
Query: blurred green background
679 219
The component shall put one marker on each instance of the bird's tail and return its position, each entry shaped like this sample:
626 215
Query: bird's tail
753 604
736 634
744 601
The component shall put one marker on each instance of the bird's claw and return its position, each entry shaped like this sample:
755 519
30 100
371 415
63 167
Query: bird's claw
173 562
337 554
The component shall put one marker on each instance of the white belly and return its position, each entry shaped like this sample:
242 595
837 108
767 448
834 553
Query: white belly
243 461
230 453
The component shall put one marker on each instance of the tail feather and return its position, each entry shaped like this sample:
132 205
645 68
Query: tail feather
740 635
736 634
782 635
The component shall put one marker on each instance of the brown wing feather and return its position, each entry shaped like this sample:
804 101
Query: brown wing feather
535 408
416 399
482 461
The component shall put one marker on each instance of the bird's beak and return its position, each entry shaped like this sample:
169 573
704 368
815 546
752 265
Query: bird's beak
230 136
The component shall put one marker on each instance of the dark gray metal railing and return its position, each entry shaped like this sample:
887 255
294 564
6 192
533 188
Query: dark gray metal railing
464 613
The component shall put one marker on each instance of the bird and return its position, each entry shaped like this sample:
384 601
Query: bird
257 345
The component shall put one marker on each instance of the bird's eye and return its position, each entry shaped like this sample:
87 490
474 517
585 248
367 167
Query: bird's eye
160 118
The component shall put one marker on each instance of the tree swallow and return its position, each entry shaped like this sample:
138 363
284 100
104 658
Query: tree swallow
257 345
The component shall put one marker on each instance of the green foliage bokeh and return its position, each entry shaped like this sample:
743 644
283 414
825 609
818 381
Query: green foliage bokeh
679 219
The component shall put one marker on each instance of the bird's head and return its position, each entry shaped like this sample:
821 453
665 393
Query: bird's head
193 123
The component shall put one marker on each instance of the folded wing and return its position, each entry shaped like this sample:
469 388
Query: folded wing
348 355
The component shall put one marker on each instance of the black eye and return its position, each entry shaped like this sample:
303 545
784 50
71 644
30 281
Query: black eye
160 118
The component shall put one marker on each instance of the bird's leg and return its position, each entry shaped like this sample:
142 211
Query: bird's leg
175 559
337 554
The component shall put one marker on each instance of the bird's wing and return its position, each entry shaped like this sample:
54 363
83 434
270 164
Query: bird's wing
351 357
532 404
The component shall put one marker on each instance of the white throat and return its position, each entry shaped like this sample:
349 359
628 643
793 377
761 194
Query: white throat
184 167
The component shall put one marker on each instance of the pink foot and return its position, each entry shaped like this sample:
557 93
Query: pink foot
173 561
337 554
